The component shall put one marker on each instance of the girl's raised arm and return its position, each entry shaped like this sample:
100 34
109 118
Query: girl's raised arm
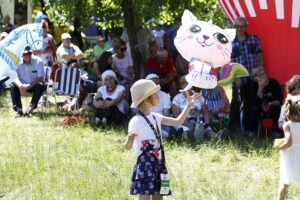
169 121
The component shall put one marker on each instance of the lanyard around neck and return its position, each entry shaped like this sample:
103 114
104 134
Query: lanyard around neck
155 131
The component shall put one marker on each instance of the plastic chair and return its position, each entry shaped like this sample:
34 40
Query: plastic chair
67 83
265 124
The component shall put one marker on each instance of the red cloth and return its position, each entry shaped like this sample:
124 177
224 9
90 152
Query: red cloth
152 66
73 119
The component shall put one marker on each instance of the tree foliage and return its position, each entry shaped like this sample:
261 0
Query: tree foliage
111 12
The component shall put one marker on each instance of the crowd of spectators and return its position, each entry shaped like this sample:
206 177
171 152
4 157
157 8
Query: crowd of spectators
113 73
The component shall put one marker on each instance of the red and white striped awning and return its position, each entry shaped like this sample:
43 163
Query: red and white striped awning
277 24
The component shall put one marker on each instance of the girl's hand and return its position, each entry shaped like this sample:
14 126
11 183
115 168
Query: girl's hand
129 142
192 98
131 136
278 142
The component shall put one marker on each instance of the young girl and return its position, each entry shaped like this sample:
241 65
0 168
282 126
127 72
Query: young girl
290 147
149 176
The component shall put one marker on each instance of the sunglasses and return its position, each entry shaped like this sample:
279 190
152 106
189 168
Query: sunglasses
196 90
123 49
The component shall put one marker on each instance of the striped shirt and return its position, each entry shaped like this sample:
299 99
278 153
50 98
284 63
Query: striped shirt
214 99
246 52
28 73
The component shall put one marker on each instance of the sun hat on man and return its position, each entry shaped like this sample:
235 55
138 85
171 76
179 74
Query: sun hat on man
108 73
65 36
141 90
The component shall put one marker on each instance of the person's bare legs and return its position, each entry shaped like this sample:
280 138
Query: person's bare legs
282 191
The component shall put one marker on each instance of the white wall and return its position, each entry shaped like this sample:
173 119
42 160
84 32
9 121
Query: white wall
8 8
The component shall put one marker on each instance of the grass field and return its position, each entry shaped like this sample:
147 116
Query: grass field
43 159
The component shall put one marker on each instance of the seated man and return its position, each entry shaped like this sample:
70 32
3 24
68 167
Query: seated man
30 79
162 65
268 99
67 50
100 47
198 113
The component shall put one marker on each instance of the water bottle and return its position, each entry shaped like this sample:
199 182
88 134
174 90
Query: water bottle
199 129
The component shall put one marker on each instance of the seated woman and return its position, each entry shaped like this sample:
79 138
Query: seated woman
109 102
197 112
217 102
268 98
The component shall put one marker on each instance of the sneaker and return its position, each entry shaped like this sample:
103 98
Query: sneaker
19 114
29 111
104 121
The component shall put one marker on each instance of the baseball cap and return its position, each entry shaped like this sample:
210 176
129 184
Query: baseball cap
151 76
65 36
27 50
101 38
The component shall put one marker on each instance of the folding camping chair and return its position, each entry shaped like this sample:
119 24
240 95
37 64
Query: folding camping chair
67 82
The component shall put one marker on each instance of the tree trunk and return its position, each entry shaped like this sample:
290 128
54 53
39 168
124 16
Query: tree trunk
129 18
43 7
77 33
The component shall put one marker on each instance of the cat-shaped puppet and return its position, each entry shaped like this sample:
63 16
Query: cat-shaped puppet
206 47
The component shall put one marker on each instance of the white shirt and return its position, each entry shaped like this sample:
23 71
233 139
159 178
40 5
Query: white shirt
164 103
63 50
123 64
139 126
46 57
28 73
120 88
180 101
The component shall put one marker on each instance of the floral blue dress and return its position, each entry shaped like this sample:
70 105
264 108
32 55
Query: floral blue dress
146 172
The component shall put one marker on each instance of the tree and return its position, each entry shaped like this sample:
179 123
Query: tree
122 13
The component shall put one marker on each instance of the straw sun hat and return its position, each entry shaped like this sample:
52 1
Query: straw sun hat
142 89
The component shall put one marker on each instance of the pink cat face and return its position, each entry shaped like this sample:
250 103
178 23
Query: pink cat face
202 41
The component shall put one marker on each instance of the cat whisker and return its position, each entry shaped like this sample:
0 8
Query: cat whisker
226 53
179 41
179 37
223 53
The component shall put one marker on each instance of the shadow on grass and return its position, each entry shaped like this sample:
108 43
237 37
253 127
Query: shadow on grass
237 139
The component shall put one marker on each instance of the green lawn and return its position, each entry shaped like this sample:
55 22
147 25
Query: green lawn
43 159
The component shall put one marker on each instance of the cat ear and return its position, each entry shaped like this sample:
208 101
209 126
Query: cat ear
231 32
188 17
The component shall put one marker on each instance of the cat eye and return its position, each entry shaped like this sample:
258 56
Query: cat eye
220 38
195 28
